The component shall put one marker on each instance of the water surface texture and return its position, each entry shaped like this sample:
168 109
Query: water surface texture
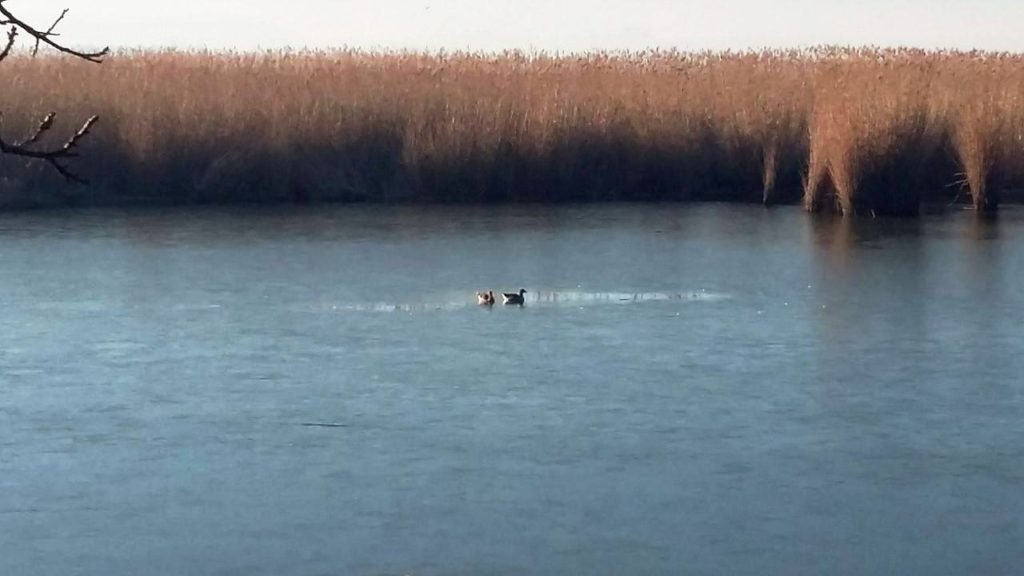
712 389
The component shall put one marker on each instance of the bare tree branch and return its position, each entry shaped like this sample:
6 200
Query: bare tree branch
11 35
46 37
28 147
45 125
49 31
53 156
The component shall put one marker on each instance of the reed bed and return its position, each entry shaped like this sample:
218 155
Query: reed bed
874 131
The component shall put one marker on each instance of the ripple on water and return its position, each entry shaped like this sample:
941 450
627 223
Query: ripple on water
537 298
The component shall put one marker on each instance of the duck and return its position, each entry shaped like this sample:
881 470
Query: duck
513 298
485 298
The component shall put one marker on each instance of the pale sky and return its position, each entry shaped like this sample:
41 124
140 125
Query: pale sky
562 25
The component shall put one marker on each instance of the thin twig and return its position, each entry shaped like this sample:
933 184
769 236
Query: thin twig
43 127
49 31
11 35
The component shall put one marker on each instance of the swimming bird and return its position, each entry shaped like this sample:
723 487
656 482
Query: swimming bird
485 298
513 298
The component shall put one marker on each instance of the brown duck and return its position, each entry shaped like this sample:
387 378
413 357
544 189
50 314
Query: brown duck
485 298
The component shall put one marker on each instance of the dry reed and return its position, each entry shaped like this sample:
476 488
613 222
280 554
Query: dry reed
864 130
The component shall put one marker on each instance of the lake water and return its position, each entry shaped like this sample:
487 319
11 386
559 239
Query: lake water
709 389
